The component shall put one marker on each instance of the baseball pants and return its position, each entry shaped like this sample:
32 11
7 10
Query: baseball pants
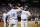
13 23
24 23
4 24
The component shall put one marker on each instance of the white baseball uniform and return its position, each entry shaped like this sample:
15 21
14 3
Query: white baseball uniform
4 18
13 18
24 18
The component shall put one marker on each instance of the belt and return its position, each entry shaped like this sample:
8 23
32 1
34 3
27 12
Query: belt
24 19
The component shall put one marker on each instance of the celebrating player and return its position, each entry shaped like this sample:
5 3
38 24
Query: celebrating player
12 14
24 17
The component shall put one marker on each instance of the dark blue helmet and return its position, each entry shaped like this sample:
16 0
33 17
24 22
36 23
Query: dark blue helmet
26 6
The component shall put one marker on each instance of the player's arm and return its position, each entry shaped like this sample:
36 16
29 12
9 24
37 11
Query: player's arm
6 18
29 14
19 8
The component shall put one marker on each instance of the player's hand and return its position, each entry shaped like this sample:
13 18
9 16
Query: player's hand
17 7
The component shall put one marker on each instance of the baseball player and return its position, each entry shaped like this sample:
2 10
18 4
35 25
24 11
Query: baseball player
24 17
4 18
12 14
36 19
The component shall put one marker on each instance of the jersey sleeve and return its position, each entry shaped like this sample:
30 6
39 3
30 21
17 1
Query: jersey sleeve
17 10
29 13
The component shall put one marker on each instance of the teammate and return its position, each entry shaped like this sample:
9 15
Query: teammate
24 17
12 14
36 19
4 18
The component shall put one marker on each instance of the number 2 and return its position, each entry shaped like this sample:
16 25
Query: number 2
13 14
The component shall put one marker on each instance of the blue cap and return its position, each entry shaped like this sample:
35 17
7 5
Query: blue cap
26 6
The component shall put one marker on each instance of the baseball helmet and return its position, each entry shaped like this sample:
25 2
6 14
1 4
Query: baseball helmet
26 6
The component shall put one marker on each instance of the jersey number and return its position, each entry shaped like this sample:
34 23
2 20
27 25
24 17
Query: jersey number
13 14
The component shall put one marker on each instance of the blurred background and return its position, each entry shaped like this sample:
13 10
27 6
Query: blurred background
33 7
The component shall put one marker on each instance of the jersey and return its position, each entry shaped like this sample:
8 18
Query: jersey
4 16
13 14
25 14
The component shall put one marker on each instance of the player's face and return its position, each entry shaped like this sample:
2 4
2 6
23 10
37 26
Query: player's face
25 9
